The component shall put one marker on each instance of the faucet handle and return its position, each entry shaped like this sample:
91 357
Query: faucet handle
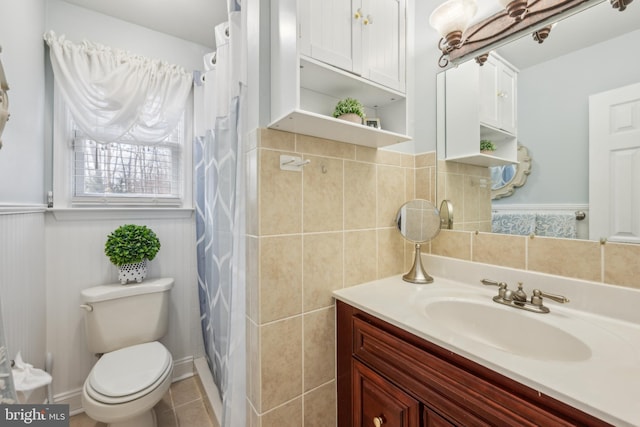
536 298
501 285
503 292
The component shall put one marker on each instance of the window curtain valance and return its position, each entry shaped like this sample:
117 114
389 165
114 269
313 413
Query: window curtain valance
111 92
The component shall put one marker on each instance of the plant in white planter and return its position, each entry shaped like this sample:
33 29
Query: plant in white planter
349 109
129 247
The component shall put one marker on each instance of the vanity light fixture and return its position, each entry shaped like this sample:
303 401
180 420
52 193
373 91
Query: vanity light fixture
542 34
450 20
620 4
460 40
515 8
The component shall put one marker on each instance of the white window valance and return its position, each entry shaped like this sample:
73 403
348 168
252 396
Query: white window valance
111 92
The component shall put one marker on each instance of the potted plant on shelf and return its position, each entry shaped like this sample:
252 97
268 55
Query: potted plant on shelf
129 247
349 109
487 147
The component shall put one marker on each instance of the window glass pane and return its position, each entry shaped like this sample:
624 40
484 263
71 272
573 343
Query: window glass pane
126 169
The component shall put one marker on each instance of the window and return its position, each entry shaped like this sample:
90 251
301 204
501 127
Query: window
122 128
127 171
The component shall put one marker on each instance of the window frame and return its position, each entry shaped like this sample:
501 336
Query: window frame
63 158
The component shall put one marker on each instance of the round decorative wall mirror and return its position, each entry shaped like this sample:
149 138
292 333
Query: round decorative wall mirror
419 222
506 178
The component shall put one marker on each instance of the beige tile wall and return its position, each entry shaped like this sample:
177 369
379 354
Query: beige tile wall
324 228
468 188
610 263
331 226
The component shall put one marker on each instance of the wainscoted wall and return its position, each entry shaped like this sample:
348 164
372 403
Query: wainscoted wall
328 226
76 260
22 286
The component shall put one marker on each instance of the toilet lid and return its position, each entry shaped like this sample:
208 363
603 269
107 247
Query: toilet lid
129 370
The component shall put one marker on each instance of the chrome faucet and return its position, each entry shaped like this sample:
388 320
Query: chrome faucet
518 298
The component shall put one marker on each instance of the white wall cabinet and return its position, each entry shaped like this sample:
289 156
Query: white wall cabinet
480 103
337 55
365 37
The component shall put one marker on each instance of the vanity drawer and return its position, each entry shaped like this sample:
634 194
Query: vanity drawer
465 393
378 402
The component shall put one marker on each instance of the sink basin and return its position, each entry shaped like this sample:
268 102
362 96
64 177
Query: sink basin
506 329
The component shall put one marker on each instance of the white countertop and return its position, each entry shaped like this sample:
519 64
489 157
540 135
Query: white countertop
605 385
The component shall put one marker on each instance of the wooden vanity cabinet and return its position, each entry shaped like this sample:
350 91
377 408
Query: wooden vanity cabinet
387 373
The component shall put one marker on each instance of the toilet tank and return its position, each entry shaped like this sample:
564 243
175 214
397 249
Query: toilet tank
118 316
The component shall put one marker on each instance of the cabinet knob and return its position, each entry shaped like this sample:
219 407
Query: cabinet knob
378 421
502 94
358 14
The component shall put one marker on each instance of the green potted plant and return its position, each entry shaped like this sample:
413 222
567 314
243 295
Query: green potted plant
486 146
349 109
129 247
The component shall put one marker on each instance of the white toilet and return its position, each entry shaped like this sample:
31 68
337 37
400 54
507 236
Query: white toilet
122 323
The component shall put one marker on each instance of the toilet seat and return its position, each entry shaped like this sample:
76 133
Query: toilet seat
129 373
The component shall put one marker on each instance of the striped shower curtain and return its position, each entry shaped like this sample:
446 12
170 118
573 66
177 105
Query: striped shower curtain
220 225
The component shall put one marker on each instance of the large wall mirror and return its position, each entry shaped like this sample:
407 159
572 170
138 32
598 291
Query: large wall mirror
590 52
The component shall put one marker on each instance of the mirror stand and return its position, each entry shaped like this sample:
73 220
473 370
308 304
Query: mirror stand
419 222
417 273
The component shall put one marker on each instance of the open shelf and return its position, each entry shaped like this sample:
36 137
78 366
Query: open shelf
322 126
481 160
334 82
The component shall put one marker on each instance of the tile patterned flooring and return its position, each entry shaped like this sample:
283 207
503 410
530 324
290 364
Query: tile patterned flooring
182 406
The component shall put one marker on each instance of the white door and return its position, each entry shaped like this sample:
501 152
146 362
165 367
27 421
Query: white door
614 165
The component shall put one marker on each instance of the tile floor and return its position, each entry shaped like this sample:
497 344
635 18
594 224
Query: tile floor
182 406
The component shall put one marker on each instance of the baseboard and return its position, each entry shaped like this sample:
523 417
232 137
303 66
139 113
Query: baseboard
209 387
72 398
182 369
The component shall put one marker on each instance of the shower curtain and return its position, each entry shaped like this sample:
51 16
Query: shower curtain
220 225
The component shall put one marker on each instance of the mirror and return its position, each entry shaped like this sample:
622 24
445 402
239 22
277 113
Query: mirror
506 179
4 100
586 53
419 222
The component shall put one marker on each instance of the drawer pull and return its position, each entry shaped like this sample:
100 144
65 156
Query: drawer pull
378 421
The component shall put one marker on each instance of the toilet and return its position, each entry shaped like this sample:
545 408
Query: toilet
134 371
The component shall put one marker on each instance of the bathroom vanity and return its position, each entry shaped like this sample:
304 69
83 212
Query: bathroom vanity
403 361
394 378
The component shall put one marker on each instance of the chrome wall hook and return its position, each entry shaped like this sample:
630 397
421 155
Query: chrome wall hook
292 163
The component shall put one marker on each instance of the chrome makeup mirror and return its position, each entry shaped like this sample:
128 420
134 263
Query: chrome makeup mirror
419 222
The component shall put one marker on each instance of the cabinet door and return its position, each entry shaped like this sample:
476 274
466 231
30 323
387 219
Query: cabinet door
498 95
377 402
383 42
489 93
328 31
507 84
